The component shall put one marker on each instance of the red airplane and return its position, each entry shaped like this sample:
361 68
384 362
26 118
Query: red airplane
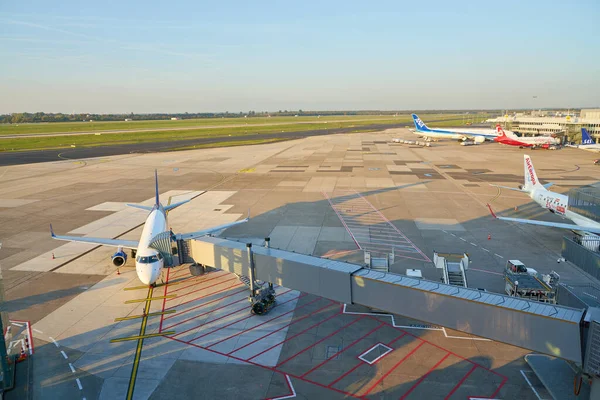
511 139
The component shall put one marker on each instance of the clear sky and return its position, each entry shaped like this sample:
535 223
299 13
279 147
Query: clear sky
176 56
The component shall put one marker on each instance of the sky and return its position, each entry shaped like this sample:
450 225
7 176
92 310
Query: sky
197 56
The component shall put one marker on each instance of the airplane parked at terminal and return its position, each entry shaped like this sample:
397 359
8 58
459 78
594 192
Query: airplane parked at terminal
477 135
587 143
554 202
149 262
509 138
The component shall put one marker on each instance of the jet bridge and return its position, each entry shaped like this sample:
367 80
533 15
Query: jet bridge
543 328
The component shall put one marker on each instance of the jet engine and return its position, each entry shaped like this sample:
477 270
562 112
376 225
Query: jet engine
119 258
479 139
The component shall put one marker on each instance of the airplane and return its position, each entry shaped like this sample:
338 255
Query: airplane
149 263
587 143
509 138
477 135
554 202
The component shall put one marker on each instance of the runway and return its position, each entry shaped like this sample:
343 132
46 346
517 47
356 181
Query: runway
39 156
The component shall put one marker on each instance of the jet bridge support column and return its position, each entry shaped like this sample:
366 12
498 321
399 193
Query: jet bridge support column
262 299
268 246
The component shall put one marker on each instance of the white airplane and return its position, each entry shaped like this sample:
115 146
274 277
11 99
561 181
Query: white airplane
509 138
554 202
149 263
477 135
587 143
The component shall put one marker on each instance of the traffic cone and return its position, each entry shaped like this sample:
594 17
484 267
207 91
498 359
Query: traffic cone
22 356
490 236
516 208
53 256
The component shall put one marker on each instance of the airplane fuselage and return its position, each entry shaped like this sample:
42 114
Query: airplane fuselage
558 204
148 262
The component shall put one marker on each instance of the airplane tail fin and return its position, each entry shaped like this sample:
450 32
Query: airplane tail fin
157 200
500 131
585 137
531 179
419 125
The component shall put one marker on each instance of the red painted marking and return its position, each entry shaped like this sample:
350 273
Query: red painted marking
267 368
178 274
285 326
425 376
207 312
203 288
499 387
345 348
362 363
316 343
207 295
266 322
289 395
239 320
393 368
205 304
162 316
296 335
210 322
446 350
200 279
464 378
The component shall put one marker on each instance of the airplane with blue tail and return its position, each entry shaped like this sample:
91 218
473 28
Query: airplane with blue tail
477 135
587 142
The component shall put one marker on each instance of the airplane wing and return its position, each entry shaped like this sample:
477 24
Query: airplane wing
128 244
546 223
204 232
509 188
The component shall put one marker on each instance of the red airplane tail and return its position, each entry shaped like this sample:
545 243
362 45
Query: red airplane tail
500 131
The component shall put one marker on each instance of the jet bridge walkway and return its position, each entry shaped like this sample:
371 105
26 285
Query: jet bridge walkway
543 328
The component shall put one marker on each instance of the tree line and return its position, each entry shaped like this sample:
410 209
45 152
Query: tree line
19 118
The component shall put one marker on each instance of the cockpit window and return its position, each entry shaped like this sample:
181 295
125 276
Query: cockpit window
148 259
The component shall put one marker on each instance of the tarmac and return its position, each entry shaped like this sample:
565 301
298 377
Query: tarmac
321 195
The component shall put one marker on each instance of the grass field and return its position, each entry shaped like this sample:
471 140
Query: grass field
69 127
208 128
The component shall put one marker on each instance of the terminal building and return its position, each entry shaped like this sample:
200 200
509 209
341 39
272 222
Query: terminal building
568 126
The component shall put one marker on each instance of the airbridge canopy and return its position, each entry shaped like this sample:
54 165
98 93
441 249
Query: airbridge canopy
544 328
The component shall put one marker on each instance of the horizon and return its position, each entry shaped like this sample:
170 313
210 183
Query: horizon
115 58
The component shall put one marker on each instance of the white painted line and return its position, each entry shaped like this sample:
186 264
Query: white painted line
464 240
72 368
498 255
7 334
484 249
452 234
16 324
463 337
79 384
422 327
591 295
290 386
64 354
388 350
37 330
54 341
473 244
530 385
444 231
